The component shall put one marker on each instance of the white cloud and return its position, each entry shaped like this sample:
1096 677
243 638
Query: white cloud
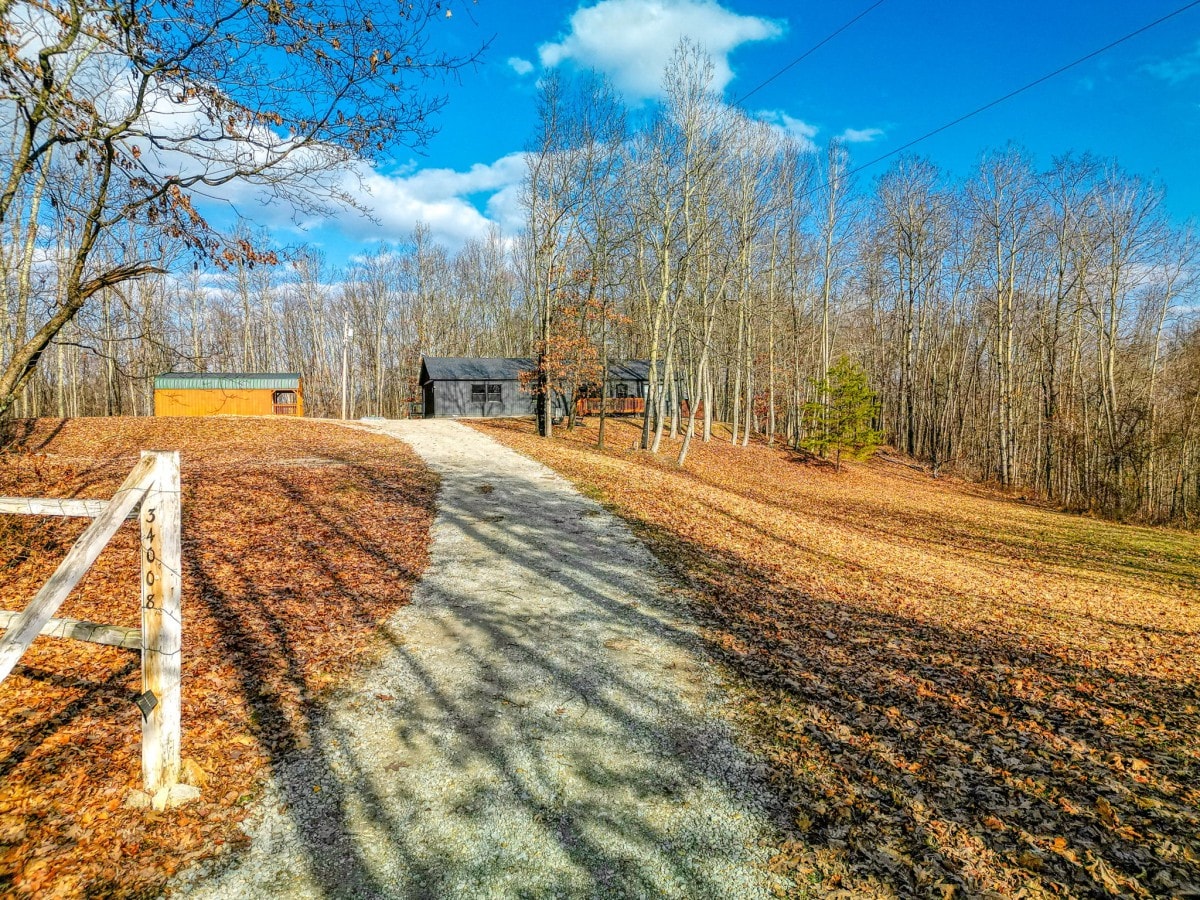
1177 70
861 135
632 40
505 209
456 205
798 130
179 136
480 178
519 65
444 199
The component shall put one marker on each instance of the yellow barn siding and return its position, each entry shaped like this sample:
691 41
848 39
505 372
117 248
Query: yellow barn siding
218 402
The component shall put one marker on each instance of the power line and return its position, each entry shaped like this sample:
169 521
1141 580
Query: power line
1025 87
810 51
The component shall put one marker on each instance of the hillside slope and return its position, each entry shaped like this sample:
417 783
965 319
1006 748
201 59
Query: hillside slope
298 538
956 693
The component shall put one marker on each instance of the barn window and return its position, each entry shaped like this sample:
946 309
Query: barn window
486 392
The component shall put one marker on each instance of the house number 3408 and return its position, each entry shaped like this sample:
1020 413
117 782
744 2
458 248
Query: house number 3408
150 557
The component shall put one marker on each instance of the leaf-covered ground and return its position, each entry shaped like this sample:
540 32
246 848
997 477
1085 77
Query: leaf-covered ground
957 694
298 538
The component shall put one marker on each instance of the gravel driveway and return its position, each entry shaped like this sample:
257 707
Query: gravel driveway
542 725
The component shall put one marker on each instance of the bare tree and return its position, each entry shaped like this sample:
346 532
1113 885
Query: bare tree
123 113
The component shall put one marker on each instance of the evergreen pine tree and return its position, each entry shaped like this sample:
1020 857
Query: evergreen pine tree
839 421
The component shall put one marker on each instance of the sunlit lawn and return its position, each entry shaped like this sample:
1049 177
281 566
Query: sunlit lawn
957 692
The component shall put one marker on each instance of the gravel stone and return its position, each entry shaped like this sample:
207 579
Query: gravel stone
544 723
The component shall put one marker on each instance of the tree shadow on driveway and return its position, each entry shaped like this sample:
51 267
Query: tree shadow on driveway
540 724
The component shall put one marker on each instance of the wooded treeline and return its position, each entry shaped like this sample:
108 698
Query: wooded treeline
1031 324
288 317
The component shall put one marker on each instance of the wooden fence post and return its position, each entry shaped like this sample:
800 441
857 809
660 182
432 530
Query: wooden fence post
161 624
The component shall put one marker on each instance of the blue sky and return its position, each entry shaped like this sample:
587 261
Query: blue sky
904 69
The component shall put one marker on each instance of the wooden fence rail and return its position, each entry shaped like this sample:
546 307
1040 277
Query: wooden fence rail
42 506
151 491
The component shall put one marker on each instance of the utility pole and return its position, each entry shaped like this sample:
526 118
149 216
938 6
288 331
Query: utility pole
347 333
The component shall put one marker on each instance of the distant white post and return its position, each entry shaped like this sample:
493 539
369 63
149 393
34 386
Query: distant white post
162 627
347 334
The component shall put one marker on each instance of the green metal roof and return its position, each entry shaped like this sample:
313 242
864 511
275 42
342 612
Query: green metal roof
229 381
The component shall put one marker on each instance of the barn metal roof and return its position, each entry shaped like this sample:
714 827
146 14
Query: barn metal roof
630 370
495 368
474 368
209 381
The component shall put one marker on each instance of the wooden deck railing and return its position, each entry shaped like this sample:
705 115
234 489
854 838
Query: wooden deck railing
613 406
152 493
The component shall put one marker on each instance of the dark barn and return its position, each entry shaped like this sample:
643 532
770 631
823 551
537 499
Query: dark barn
490 387
475 387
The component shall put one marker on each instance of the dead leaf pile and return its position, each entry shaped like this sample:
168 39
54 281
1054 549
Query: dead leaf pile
957 694
299 537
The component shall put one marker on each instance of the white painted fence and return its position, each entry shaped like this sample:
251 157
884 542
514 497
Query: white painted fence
152 493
